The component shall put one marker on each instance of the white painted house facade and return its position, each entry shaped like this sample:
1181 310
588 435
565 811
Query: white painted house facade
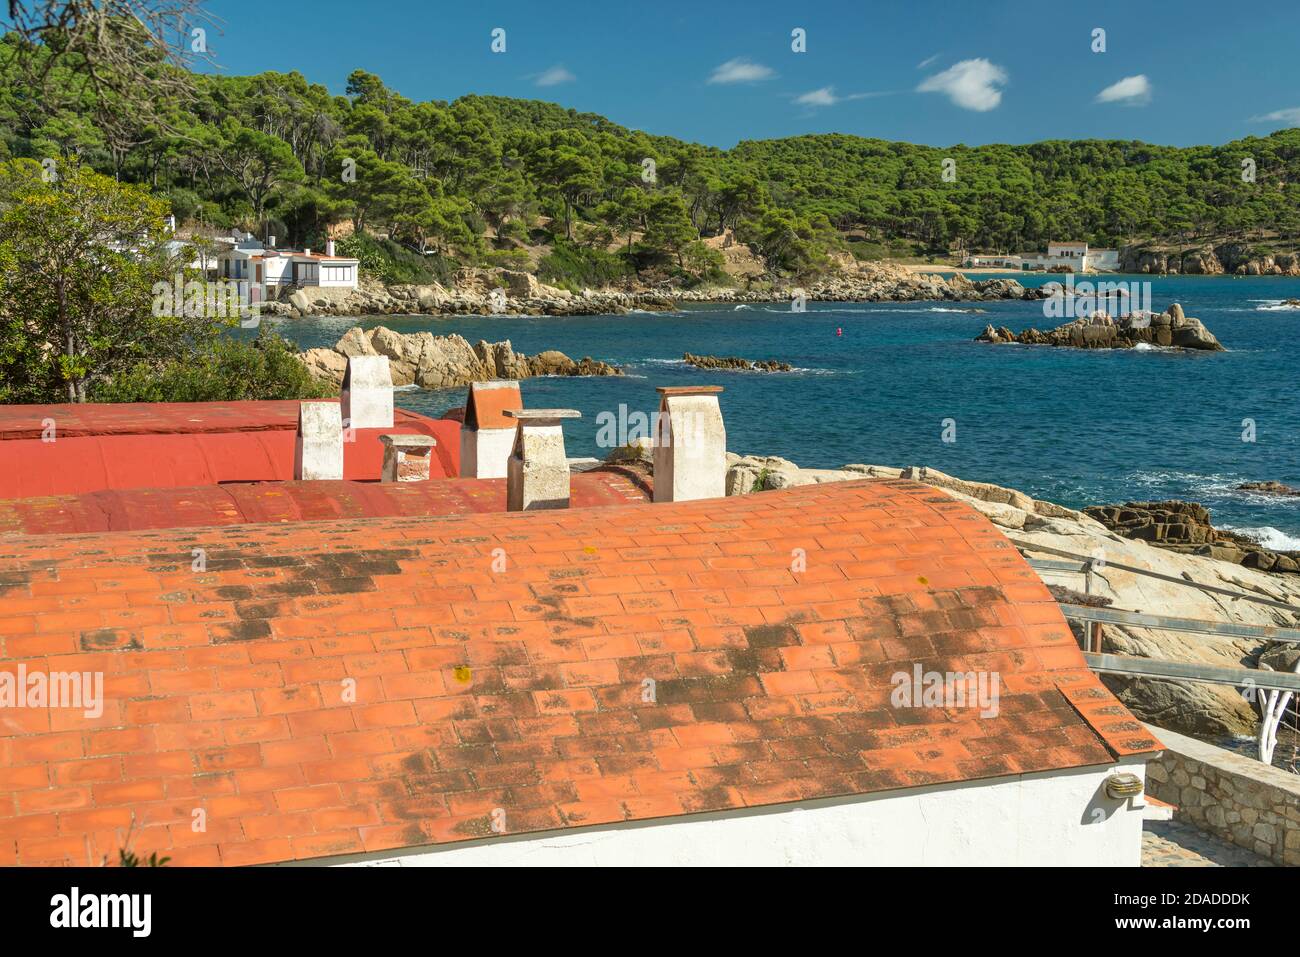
267 270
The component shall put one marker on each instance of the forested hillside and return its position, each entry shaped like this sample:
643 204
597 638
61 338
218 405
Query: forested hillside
485 179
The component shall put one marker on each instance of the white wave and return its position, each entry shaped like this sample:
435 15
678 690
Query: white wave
406 388
1207 488
1278 306
1268 536
790 371
740 307
1202 486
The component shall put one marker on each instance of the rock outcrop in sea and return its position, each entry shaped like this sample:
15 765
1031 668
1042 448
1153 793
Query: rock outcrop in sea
736 363
1100 331
1270 488
442 362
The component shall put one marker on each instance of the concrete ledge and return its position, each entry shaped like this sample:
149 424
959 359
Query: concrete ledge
1235 797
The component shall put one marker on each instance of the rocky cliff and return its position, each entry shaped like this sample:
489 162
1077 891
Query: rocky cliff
1209 259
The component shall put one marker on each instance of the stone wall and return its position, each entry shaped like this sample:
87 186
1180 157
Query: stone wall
1233 796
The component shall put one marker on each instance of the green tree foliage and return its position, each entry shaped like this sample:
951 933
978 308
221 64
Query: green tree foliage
82 261
487 173
81 254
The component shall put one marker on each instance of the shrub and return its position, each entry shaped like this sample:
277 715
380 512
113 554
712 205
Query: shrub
231 370
392 262
574 267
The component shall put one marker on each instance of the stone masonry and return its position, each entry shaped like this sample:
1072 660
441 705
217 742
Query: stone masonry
1235 797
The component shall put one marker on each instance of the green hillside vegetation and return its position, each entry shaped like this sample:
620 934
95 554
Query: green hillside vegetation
489 180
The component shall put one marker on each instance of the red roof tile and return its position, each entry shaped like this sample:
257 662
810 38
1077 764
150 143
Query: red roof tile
331 687
246 503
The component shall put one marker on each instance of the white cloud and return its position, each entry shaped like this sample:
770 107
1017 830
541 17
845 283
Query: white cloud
927 61
554 76
826 96
1131 91
740 70
823 97
1290 116
970 84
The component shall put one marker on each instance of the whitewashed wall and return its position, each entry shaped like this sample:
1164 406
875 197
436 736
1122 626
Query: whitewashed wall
1055 818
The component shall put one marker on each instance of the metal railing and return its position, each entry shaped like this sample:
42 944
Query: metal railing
1093 617
1089 563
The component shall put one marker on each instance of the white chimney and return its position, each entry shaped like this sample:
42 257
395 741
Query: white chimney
537 476
319 450
367 396
407 457
690 456
270 241
329 247
488 434
306 252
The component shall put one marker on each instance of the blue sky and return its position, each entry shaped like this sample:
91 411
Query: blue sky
719 72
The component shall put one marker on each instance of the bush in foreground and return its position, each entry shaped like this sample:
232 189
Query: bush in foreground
231 370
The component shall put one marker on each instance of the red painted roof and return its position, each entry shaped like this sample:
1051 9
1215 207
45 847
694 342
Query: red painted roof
242 504
146 418
479 685
172 445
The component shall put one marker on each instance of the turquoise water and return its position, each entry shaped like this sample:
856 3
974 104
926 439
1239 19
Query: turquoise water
875 382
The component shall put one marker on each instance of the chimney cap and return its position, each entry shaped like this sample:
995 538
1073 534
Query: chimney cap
536 414
667 390
487 402
411 440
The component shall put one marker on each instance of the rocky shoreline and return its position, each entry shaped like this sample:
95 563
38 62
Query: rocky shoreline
511 293
1185 527
443 362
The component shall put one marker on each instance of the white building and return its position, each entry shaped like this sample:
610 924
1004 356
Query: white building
267 269
1077 257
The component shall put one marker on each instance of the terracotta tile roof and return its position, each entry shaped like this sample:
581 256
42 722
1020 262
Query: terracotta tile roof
254 502
333 687
138 446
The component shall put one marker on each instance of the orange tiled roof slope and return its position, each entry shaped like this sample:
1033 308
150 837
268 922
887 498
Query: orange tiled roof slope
256 502
334 687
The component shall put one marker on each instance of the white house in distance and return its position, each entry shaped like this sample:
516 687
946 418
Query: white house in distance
267 269
1076 256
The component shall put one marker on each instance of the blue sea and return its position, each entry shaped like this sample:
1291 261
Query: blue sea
875 382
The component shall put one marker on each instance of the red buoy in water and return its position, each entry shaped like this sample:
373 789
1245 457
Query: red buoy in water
839 330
